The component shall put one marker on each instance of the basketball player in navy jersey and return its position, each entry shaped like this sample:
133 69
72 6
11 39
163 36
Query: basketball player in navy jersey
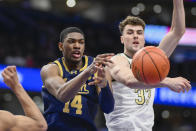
33 119
133 109
71 89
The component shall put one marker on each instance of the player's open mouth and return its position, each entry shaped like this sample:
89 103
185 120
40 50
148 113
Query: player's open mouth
135 42
76 54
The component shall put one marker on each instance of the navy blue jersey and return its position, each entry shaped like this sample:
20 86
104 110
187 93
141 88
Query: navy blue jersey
77 114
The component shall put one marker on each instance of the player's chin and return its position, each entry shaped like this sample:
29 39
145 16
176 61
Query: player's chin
135 49
76 60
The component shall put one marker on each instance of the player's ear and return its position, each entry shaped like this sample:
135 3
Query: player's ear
121 39
60 45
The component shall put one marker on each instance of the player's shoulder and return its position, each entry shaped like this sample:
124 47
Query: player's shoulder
119 58
49 69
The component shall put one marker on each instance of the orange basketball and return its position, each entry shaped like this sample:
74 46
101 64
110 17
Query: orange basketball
150 65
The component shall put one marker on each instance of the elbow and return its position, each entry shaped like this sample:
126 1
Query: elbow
61 97
128 83
45 127
133 84
183 31
180 32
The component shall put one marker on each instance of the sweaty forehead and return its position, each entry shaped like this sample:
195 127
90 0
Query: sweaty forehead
133 27
75 35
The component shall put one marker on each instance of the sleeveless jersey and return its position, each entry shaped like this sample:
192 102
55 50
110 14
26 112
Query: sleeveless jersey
77 114
133 110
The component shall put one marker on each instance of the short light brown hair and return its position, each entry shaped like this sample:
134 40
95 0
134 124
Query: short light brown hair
131 20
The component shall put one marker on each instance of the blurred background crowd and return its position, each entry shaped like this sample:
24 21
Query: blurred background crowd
29 34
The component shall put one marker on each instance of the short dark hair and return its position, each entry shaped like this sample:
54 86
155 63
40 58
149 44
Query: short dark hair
131 20
68 30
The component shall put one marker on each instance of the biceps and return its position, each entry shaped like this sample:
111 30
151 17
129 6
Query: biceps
23 122
7 119
169 43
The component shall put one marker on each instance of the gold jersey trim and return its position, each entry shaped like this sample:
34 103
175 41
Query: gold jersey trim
85 65
83 68
60 67
63 60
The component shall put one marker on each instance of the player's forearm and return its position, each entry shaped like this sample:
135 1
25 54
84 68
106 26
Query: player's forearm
133 83
178 20
126 77
71 88
106 99
29 107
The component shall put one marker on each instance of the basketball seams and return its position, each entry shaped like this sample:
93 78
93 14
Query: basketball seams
159 55
153 63
144 77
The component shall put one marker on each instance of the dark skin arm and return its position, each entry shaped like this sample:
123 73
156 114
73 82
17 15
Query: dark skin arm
64 91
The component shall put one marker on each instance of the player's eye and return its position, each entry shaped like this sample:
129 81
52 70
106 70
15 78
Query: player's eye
129 32
81 41
71 41
140 32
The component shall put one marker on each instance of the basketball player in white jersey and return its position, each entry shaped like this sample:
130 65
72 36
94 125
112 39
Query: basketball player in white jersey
133 109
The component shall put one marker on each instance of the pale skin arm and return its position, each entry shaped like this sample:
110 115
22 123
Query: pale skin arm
64 91
10 122
33 119
7 120
171 40
120 71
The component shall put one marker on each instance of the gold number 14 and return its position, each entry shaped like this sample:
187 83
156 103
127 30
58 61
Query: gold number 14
75 103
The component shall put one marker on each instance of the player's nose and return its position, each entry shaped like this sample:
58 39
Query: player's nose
76 45
135 36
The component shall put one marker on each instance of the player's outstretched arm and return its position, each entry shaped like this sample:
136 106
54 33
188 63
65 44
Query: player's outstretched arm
64 91
33 119
177 84
120 71
171 40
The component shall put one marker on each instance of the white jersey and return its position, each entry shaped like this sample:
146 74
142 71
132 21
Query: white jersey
133 110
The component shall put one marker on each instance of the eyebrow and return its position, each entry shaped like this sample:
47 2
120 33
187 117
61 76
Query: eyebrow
134 30
74 39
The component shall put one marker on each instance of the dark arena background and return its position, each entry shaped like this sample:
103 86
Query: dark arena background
29 34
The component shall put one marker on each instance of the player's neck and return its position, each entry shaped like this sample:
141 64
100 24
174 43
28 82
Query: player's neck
129 54
74 65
